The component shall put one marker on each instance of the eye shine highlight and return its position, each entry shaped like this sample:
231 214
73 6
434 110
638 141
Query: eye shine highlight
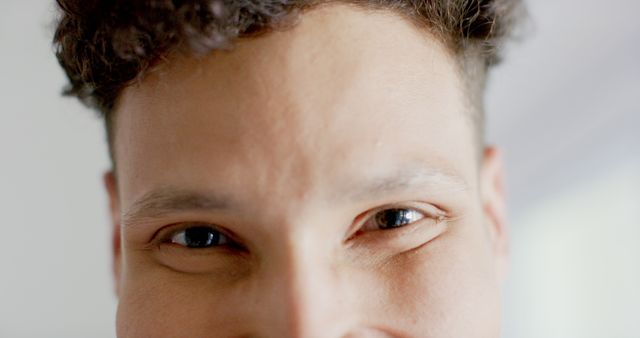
395 218
199 237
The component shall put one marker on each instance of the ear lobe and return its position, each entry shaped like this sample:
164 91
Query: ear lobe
494 206
111 186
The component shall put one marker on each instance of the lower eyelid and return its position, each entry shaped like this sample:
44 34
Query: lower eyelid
378 247
397 234
217 262
418 225
187 250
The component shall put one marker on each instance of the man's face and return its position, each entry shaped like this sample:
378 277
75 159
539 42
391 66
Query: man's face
320 181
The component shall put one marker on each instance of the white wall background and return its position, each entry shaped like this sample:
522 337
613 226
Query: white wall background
565 106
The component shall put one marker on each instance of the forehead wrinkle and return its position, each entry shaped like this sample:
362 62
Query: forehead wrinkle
165 200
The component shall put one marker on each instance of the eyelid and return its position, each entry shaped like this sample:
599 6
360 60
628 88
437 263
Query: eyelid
436 213
226 260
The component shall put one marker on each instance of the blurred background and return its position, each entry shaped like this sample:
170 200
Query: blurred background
565 106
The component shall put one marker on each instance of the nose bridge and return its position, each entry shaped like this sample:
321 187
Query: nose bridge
308 289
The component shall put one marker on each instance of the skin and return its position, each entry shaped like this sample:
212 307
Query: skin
290 144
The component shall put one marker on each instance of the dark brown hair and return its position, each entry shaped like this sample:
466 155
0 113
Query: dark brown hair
103 45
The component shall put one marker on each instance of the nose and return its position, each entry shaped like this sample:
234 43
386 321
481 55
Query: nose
308 294
303 290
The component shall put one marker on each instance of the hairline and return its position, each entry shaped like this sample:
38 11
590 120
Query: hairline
473 90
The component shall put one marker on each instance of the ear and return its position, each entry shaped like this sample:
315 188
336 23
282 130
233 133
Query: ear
494 207
114 207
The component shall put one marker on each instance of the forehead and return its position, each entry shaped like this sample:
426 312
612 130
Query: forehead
344 92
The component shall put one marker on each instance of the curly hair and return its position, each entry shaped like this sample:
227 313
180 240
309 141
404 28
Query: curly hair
104 45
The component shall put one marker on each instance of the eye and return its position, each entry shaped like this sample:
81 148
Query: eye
392 218
198 237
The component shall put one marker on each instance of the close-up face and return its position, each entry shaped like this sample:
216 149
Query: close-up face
318 181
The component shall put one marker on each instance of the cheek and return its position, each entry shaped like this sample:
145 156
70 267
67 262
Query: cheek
446 289
158 302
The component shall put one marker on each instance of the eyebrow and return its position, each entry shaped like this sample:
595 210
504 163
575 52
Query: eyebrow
167 200
419 177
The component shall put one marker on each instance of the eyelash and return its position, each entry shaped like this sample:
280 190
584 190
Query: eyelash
437 214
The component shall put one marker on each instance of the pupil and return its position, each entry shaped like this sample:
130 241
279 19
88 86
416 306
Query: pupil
393 218
200 237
